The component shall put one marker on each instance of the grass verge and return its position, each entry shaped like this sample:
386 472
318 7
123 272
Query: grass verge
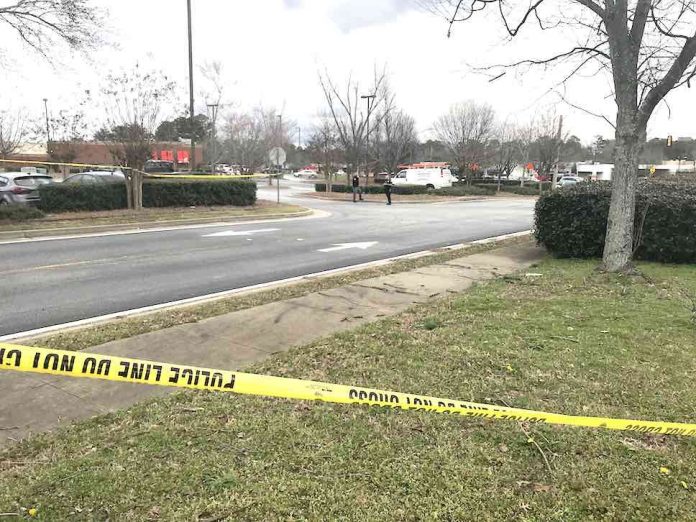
120 329
572 341
148 215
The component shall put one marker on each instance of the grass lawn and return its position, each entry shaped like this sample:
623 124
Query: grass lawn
571 341
149 215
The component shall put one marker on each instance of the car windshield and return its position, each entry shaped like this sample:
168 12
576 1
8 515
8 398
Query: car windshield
33 181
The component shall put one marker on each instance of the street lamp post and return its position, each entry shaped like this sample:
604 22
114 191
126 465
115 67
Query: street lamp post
370 102
213 111
48 128
280 146
191 113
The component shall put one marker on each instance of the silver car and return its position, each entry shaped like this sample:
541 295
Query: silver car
96 176
21 188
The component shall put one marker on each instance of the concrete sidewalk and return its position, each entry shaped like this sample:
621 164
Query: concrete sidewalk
34 403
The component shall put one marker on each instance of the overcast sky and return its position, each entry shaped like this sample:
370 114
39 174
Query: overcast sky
271 51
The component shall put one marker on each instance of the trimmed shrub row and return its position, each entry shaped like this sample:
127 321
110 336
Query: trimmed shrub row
572 222
175 193
463 190
373 189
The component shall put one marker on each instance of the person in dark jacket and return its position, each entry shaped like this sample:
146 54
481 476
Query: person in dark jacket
388 190
356 188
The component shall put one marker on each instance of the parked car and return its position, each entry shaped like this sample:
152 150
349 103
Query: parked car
570 181
381 177
306 174
96 176
158 166
430 178
20 188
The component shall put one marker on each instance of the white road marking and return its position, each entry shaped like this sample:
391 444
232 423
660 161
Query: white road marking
232 233
346 246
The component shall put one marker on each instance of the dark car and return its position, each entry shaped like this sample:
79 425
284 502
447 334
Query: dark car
381 177
20 188
96 177
158 166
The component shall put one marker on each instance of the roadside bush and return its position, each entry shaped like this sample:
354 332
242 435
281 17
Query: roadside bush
170 193
527 190
19 213
185 193
463 190
572 222
73 197
374 189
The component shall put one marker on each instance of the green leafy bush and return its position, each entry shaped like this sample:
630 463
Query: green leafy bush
74 197
572 222
166 193
19 213
463 190
374 189
185 193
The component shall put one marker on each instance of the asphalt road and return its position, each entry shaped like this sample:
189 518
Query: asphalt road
45 283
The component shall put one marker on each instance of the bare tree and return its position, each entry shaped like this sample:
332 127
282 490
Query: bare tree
549 139
355 116
395 139
466 129
324 147
505 149
12 132
647 47
133 102
68 128
42 24
250 136
214 94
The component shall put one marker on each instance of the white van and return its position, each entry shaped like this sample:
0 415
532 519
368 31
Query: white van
430 178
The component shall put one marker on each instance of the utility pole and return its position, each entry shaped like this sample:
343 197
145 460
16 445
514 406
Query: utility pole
370 101
559 137
280 146
213 111
48 128
299 137
191 113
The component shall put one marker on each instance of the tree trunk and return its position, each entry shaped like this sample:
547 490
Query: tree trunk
618 245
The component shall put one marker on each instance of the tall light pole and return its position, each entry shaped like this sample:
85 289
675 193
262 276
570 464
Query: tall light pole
48 128
191 113
213 111
280 146
370 101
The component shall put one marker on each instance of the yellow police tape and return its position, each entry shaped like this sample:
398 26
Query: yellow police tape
81 165
121 369
156 175
210 176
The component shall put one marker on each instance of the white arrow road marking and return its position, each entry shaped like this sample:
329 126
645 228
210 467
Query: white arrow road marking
228 233
346 246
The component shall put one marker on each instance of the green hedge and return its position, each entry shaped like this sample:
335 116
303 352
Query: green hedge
19 213
74 197
184 193
463 190
374 189
572 222
166 193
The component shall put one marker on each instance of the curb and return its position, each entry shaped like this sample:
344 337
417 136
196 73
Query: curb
30 334
95 229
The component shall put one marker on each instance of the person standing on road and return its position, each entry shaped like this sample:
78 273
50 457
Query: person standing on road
387 190
356 187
